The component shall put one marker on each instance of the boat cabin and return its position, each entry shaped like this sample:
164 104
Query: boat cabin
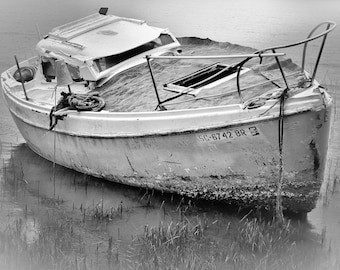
100 46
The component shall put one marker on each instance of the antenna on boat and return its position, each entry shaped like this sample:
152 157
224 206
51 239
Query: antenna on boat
38 31
21 79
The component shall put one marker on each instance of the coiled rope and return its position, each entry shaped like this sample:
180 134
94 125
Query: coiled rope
79 102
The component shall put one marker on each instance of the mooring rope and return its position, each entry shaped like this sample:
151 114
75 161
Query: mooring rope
279 209
79 102
54 145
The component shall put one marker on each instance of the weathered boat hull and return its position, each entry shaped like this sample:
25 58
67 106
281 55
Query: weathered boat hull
211 136
214 154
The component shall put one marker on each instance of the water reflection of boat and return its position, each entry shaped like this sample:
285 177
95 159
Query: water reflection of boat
36 179
40 190
228 131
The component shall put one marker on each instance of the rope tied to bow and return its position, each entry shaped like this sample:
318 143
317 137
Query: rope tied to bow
79 102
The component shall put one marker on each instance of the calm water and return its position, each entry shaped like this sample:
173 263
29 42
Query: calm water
256 24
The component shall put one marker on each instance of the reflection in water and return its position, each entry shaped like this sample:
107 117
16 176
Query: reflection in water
30 230
40 185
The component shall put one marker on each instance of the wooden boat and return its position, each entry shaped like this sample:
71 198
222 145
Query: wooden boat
191 116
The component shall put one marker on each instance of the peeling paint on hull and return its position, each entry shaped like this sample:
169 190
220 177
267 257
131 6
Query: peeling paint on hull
235 164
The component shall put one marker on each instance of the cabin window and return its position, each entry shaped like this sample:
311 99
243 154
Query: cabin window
112 60
166 39
74 72
48 67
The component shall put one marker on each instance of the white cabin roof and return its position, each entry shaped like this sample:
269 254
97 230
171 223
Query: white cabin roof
98 35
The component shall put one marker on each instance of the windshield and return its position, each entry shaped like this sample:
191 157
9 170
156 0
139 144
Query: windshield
112 60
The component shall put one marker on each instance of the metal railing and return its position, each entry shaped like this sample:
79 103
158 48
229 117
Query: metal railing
329 27
267 52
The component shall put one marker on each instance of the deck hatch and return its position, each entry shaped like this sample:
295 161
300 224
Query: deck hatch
206 77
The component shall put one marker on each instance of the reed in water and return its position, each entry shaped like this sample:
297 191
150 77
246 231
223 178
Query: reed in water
186 240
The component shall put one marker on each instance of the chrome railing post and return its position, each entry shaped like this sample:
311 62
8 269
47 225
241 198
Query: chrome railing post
310 38
319 55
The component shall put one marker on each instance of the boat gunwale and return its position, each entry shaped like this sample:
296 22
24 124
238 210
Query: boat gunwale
140 114
168 133
261 117
45 108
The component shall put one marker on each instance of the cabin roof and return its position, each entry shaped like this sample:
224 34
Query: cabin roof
99 35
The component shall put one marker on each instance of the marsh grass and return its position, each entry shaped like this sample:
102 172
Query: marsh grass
98 213
249 243
186 238
193 243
